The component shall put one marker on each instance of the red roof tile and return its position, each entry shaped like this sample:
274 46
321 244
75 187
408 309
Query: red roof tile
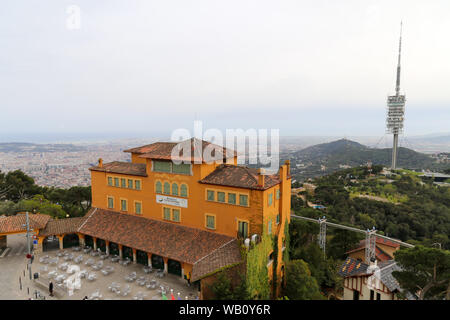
134 169
239 176
166 239
227 255
62 226
9 224
163 150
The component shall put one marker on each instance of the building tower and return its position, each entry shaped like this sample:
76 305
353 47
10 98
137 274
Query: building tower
396 109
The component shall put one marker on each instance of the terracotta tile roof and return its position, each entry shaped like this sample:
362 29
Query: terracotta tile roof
352 267
16 223
134 169
61 226
163 150
227 255
380 254
166 239
239 176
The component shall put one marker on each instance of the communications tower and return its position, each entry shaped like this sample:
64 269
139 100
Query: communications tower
396 109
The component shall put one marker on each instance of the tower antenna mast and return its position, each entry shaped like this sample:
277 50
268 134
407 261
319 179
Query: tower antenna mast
396 108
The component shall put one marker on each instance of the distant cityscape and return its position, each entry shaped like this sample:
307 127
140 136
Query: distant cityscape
67 165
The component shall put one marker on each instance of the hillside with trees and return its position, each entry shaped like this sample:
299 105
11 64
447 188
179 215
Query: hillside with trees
403 206
19 193
326 158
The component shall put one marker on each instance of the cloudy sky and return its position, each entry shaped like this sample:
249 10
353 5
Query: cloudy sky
149 67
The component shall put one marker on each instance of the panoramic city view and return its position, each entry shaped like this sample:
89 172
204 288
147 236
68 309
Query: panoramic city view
225 151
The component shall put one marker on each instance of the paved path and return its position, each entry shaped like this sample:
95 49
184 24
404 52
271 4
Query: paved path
14 264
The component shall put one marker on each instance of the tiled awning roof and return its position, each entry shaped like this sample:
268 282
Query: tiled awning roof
134 169
62 226
240 177
352 267
10 224
177 242
227 255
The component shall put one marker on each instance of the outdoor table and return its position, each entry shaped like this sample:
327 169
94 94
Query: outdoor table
83 274
76 248
126 290
147 269
160 273
152 284
104 256
115 258
89 262
64 266
92 276
98 265
107 270
139 296
87 249
78 259
54 261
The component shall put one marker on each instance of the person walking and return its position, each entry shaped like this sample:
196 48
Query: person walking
50 289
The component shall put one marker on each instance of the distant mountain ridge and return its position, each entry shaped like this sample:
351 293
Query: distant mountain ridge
347 152
35 147
326 158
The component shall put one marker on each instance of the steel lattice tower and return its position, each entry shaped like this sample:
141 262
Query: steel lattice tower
396 109
323 234
371 239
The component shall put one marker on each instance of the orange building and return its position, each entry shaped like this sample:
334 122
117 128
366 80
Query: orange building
189 219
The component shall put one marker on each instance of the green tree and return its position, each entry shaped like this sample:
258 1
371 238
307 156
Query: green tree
300 285
224 290
424 270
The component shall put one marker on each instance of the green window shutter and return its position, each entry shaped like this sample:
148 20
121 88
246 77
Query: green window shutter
183 190
166 188
138 207
110 203
243 200
123 183
270 227
278 218
110 181
210 222
137 184
221 196
162 166
116 182
270 199
232 198
277 194
210 195
243 229
123 205
158 187
182 168
174 189
130 184
176 215
166 213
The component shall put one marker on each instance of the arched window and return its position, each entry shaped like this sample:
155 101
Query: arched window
174 189
183 190
166 188
158 187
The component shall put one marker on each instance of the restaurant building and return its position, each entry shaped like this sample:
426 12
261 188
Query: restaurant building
189 219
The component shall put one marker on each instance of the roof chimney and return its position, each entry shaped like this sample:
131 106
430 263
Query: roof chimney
100 163
288 167
261 177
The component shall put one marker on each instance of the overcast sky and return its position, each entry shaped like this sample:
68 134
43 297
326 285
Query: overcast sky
149 67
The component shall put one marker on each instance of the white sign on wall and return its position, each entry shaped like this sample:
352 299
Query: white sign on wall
172 201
